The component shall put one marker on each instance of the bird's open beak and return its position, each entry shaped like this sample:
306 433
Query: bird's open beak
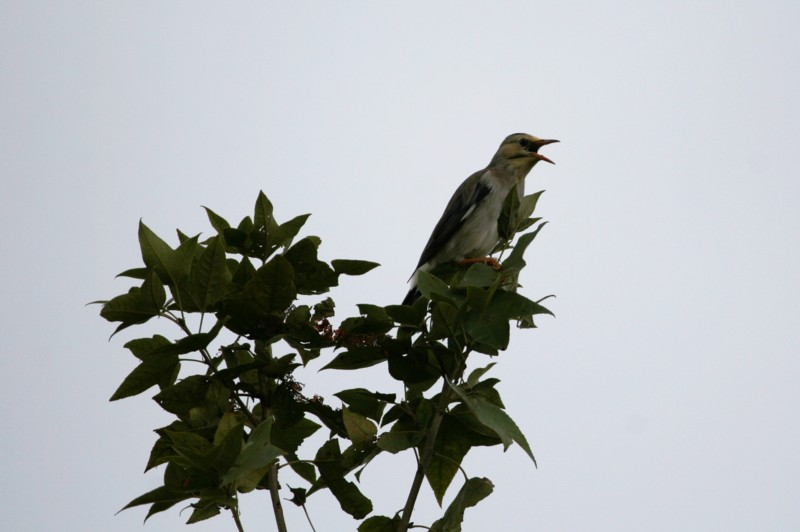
540 157
539 143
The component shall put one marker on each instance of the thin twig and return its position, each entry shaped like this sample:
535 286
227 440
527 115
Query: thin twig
309 519
235 513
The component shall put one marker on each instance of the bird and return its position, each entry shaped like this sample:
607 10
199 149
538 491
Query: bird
467 230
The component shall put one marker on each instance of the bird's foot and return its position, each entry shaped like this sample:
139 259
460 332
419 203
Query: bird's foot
489 261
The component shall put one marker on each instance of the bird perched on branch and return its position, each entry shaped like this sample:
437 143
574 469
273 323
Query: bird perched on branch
467 230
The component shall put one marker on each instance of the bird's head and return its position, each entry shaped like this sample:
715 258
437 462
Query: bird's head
520 152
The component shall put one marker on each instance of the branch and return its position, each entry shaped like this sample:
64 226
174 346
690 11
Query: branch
277 507
425 457
235 513
274 488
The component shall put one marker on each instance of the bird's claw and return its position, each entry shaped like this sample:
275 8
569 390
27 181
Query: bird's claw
489 261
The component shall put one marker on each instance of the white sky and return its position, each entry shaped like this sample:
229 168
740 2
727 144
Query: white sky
663 397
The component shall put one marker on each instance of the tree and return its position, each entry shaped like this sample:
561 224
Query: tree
243 417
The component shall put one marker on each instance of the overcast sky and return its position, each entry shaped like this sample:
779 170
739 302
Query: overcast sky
663 397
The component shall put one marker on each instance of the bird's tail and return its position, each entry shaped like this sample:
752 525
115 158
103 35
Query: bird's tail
412 296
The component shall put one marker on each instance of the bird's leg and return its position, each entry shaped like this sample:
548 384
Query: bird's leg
489 261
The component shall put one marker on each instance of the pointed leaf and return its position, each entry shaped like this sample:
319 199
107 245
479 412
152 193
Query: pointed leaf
352 267
473 492
217 222
138 305
452 444
288 230
262 216
528 204
495 418
477 373
515 259
433 288
155 370
172 266
509 215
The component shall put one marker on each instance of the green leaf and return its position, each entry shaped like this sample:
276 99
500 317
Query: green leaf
395 441
477 373
357 358
191 343
480 275
359 455
237 240
226 451
160 453
488 328
298 496
188 393
262 216
141 347
329 463
452 444
203 511
265 233
304 470
312 276
273 287
352 267
228 422
257 310
412 315
434 288
515 259
217 222
289 230
471 493
366 403
138 305
513 305
359 428
210 279
257 453
154 370
134 273
495 418
162 494
191 452
289 439
172 266
244 272
379 523
444 321
528 204
416 366
509 215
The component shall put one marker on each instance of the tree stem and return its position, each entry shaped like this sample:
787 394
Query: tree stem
235 512
277 507
425 457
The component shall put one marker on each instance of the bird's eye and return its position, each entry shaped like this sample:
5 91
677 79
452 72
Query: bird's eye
525 143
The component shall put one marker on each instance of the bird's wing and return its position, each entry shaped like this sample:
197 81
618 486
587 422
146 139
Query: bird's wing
464 201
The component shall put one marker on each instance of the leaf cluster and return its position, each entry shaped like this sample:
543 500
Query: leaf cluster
248 292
